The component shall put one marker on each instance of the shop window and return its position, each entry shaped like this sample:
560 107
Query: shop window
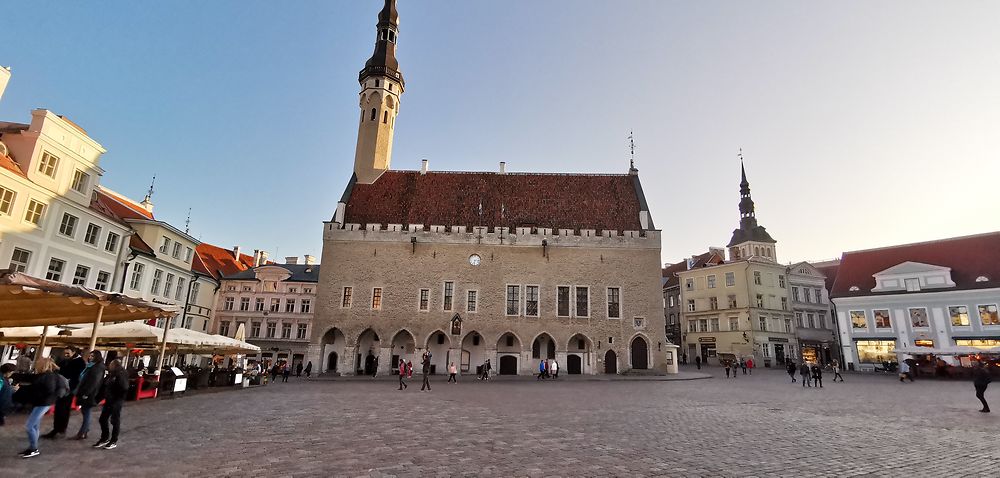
858 319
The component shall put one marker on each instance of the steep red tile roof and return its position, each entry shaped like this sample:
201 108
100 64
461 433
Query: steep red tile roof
670 279
557 201
217 262
9 164
968 257
830 271
121 206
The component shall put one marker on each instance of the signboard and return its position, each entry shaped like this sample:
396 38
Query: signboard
778 339
706 339
180 384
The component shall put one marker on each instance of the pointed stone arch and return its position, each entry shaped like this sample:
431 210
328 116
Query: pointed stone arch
639 351
473 351
368 349
543 346
439 345
333 352
579 354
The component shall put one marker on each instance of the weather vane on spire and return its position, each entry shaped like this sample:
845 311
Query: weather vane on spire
631 148
187 222
149 194
740 154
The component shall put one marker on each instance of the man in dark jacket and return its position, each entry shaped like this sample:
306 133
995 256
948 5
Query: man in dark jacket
70 367
86 392
113 391
981 379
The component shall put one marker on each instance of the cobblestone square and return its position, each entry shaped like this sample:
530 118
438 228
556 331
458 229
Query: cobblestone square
759 425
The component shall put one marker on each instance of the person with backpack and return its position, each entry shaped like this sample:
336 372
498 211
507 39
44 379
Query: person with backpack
47 388
86 392
113 391
6 390
71 367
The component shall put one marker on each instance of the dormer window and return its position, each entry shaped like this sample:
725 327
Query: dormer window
912 285
80 181
982 279
854 288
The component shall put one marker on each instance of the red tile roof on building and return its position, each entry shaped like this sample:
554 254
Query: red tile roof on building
139 245
669 279
121 206
557 201
830 271
9 164
218 262
968 258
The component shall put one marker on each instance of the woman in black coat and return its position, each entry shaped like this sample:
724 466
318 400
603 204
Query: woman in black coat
86 392
113 391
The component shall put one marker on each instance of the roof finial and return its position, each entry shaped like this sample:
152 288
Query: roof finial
149 194
187 222
743 170
631 149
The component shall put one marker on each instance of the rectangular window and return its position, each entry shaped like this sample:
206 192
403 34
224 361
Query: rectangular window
730 279
111 244
756 277
177 251
798 319
48 165
244 304
788 326
271 328
959 315
289 306
858 319
255 329
811 321
734 323
188 252
882 320
471 304
918 317
377 298
912 285
562 301
301 332
68 225
781 281
168 284
247 288
763 323
531 300
614 302
582 301
80 181
713 324
286 331
732 301
34 212
449 295
228 303
795 293
819 295
513 299
275 305
689 283
258 305
6 201
306 305
692 325
103 280
765 349
93 234
875 351
224 327
136 276
195 288
55 269
711 281
690 307
157 279
822 320
346 299
425 299
80 276
713 303
19 260
703 325
760 301
165 245
307 290
784 303
988 314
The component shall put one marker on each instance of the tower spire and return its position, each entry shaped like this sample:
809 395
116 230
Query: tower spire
631 149
383 60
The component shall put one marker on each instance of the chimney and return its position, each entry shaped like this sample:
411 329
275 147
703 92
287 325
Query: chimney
423 166
503 167
309 260
256 257
263 257
291 260
236 252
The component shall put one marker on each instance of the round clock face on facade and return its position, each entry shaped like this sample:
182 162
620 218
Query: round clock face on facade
475 259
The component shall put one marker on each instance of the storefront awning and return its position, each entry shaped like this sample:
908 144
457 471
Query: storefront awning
953 350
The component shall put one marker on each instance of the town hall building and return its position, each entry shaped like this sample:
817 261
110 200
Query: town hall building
503 266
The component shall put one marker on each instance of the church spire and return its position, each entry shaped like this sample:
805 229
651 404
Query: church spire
747 216
383 60
751 239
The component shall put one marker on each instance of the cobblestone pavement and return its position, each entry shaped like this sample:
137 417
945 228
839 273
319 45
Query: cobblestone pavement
758 425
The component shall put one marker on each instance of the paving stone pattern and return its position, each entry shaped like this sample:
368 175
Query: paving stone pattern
756 425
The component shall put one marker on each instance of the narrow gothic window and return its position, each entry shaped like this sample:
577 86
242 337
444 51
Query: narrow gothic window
373 114
376 83
385 117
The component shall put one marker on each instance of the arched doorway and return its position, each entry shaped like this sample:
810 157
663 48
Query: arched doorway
543 347
473 352
578 355
439 345
640 353
369 347
611 362
508 365
403 347
574 365
333 345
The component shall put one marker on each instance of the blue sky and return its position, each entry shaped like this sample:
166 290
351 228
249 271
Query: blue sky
863 124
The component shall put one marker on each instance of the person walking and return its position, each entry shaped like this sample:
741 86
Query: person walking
309 368
86 393
113 391
790 368
409 369
727 365
402 374
750 365
981 379
7 390
804 373
743 365
904 371
286 370
817 375
71 368
489 368
836 371
541 370
697 361
554 368
298 369
274 372
44 393
425 370
452 373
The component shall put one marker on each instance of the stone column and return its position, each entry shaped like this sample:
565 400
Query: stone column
561 360
314 354
384 357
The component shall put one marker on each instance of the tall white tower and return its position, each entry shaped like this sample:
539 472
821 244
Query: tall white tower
381 87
